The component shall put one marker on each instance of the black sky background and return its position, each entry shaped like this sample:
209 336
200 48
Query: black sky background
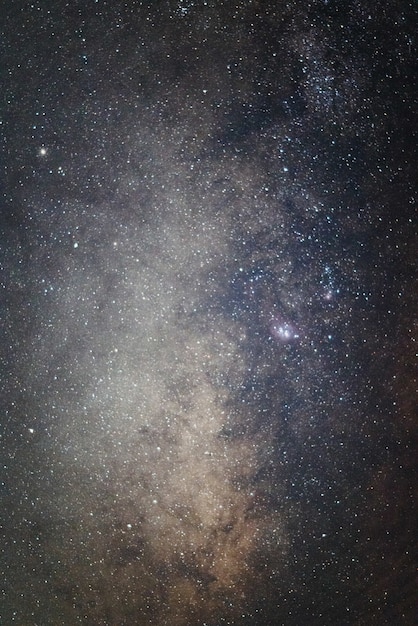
209 328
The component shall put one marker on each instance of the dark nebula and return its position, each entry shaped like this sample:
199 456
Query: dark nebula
209 313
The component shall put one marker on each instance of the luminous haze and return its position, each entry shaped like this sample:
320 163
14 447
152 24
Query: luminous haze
209 313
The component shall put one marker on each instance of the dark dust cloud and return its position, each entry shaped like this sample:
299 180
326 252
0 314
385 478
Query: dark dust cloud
208 307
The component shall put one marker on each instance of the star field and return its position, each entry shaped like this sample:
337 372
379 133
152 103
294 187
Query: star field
209 279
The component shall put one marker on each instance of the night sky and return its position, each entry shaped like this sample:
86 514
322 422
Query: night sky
209 297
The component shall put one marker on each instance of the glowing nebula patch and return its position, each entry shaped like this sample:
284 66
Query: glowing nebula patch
284 331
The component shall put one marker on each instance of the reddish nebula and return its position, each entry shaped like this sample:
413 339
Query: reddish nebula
283 330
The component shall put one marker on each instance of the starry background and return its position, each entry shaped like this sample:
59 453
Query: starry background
208 303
